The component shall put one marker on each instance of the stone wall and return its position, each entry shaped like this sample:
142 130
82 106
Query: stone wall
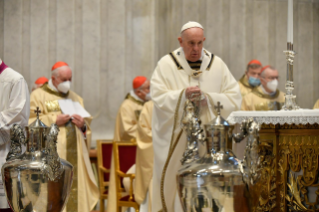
108 42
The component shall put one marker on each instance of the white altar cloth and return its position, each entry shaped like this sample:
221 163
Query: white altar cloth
301 116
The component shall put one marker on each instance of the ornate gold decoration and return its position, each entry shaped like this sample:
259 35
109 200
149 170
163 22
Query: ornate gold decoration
173 144
294 200
289 126
244 81
128 96
52 106
289 155
47 88
267 197
257 91
72 157
298 167
269 105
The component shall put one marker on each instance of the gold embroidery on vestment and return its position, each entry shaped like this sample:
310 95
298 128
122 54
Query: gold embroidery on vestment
52 106
72 157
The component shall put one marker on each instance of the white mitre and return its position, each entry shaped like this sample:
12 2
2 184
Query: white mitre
191 24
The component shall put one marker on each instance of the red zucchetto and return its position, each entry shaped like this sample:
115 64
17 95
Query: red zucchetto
255 62
138 81
264 68
58 65
41 80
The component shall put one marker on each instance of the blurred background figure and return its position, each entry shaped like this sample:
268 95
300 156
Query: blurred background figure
316 106
144 159
14 109
126 127
266 96
130 109
251 77
74 139
39 82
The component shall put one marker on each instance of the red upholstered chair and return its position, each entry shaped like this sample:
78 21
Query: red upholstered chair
104 158
124 158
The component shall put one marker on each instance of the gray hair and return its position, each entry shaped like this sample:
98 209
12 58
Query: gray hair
55 72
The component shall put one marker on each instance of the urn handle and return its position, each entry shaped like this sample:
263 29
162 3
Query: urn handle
250 129
17 137
247 128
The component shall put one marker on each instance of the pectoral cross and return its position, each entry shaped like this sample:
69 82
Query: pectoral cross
218 107
37 111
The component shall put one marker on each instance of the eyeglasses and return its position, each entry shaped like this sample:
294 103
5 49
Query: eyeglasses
271 78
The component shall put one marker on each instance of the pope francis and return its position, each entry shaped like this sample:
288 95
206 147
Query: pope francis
74 136
187 72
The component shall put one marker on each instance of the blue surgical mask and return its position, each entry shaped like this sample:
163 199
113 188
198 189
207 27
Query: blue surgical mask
254 81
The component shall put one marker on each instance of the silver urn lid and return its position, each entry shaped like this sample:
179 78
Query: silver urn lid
218 133
37 123
218 121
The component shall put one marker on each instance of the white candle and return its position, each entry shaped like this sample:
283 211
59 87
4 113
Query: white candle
290 22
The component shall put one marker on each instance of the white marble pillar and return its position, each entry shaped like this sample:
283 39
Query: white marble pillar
13 34
39 39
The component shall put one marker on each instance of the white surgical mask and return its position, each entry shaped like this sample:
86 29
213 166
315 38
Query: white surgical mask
148 97
64 87
272 85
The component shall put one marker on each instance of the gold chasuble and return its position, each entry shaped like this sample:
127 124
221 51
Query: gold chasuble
244 86
125 130
127 117
258 100
144 156
72 146
316 106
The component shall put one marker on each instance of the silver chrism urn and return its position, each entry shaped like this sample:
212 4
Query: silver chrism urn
37 180
218 181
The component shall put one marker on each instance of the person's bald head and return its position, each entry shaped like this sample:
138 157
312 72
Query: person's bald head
191 40
269 72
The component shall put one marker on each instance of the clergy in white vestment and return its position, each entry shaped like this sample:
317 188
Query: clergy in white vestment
186 72
14 109
74 139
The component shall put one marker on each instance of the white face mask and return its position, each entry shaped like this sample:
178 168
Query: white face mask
272 85
64 87
148 97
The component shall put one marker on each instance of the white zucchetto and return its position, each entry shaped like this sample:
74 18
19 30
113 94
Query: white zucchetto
191 24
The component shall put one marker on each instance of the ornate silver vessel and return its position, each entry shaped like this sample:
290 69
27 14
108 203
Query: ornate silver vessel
194 133
215 181
37 180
